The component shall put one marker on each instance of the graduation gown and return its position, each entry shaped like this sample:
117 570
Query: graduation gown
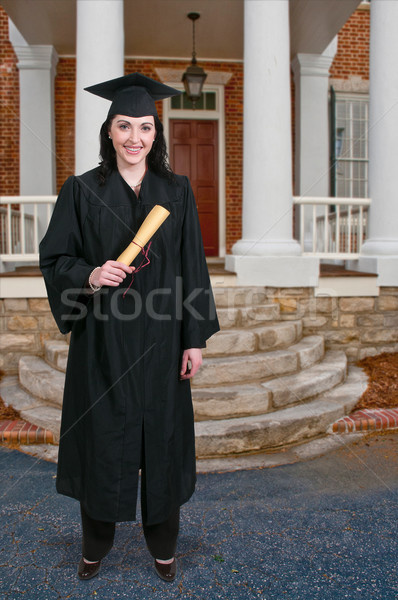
122 377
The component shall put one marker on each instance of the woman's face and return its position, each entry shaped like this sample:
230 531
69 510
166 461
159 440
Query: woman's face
132 138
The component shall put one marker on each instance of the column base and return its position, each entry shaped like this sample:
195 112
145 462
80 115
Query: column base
386 267
266 248
380 247
274 271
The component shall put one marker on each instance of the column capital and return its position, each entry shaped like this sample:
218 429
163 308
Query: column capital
311 65
36 57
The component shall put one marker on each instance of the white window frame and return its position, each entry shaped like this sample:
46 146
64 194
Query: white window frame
351 159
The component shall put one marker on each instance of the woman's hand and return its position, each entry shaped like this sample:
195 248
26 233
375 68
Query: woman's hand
194 356
111 273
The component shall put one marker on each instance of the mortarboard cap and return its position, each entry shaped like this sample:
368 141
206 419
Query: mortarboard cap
132 95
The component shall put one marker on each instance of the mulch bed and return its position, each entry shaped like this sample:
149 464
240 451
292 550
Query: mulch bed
7 413
382 390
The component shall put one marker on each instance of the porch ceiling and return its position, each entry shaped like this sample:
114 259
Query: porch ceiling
160 28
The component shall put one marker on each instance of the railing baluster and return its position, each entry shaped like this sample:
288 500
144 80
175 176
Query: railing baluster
314 229
302 221
48 214
337 228
22 227
349 216
360 233
9 230
326 234
35 230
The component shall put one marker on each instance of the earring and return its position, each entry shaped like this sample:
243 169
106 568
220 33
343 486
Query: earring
109 137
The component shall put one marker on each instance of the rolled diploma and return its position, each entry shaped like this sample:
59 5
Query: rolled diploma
150 225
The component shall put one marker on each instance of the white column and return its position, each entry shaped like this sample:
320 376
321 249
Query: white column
312 146
37 175
37 67
99 57
267 254
382 243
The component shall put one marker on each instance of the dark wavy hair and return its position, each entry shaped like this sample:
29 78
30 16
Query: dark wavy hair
158 161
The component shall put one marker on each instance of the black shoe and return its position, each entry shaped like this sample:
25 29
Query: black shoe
88 570
167 572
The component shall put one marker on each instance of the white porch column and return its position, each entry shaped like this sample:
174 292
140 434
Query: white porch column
382 243
267 254
37 67
99 57
312 147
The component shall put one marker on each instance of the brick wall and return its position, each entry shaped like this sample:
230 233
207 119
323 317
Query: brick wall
9 113
352 57
65 82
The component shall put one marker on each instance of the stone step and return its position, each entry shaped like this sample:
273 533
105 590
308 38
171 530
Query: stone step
234 401
56 354
349 393
245 341
232 297
230 401
308 383
41 380
260 366
247 316
280 428
226 279
32 409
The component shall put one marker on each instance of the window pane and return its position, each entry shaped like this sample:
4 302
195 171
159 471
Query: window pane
351 135
187 103
210 101
175 102
207 101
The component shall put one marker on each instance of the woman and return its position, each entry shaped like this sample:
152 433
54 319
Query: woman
135 339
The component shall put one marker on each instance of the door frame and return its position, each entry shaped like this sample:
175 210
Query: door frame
208 115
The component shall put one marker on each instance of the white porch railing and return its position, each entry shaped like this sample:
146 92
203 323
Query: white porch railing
322 233
23 222
337 234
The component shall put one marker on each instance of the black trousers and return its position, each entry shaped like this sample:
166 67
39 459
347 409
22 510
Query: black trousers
161 538
98 536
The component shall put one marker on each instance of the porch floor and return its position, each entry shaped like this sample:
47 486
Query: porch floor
216 266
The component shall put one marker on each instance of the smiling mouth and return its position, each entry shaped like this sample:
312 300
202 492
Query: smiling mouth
134 150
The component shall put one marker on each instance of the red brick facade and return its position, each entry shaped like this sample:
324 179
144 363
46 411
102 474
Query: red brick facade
9 113
352 58
65 83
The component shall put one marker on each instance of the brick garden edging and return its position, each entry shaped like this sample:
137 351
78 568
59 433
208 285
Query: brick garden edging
367 419
22 432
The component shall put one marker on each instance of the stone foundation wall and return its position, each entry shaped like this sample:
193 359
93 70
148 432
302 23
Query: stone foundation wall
25 325
361 326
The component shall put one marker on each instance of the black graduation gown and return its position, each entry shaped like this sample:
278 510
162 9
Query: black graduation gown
122 377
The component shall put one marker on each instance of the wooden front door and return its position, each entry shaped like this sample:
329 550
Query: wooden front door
194 152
